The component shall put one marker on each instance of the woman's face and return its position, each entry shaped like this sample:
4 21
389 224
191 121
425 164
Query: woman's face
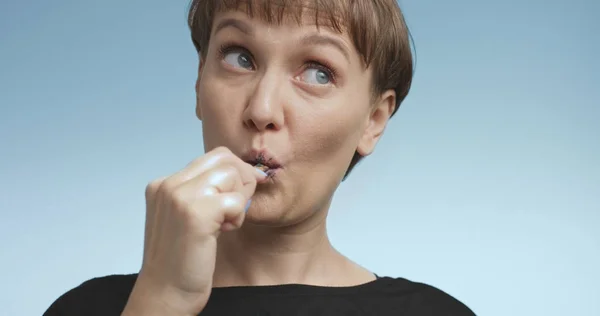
297 96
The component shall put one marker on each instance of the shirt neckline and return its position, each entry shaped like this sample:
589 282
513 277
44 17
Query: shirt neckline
299 289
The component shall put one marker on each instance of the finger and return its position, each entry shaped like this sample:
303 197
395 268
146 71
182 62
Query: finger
234 207
212 159
223 171
216 213
151 215
152 188
247 181
221 179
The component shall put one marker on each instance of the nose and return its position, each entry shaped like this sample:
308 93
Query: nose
264 110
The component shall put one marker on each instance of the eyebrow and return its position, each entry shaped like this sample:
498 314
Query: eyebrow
310 40
235 23
319 39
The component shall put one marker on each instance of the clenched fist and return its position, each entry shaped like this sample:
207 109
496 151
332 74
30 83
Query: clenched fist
185 213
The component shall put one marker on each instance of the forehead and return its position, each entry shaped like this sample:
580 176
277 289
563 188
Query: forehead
291 14
288 29
321 12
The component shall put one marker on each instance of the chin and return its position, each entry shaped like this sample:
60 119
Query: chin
267 210
274 210
279 204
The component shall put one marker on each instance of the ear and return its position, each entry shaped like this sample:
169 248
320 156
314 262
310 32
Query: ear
380 114
198 107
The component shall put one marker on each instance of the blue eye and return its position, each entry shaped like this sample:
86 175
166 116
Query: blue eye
316 76
238 59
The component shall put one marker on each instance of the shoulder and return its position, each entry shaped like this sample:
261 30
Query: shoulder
105 295
423 299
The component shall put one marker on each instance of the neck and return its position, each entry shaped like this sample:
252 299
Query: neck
258 255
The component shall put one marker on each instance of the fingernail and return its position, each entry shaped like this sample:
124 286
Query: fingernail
247 206
262 172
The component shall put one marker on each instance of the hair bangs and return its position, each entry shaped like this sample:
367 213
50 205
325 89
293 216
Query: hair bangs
357 18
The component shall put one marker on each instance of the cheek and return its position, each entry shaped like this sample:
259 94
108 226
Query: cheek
218 111
328 137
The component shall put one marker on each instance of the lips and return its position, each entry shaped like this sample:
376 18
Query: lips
263 158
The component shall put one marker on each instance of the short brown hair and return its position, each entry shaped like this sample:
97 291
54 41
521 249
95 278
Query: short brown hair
376 27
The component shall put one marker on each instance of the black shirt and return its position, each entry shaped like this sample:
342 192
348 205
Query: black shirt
385 296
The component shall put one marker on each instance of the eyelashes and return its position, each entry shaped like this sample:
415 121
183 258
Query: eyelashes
321 65
226 49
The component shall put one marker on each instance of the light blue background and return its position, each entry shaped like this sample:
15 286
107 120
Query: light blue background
486 184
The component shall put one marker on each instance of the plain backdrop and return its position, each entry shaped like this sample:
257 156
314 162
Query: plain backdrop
486 183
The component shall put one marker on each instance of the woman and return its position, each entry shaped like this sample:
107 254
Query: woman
291 94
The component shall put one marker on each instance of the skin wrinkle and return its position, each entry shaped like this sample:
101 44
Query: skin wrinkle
317 129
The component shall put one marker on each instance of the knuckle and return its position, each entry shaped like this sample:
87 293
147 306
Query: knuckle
180 201
227 175
224 154
229 171
222 150
181 206
167 187
152 188
234 201
221 156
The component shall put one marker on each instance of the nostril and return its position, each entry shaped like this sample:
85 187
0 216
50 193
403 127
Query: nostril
250 124
271 126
